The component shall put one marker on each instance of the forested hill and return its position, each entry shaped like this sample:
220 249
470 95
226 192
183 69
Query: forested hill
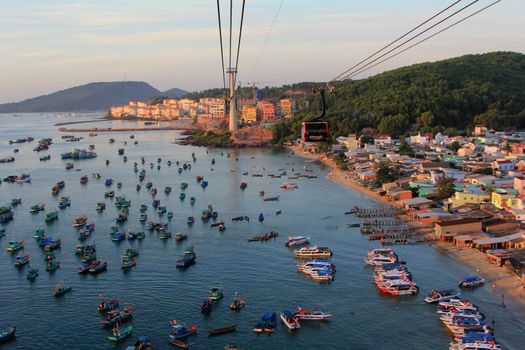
448 95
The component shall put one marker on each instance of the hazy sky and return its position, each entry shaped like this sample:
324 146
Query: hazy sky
48 45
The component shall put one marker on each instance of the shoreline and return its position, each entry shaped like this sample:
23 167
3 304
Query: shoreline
163 128
502 281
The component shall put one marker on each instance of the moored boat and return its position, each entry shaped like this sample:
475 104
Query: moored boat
107 304
80 221
312 315
294 241
13 246
21 259
32 273
120 333
471 281
313 252
435 296
216 293
290 320
7 334
61 288
180 331
222 330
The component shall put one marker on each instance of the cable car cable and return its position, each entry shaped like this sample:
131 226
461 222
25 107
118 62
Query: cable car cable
427 38
222 49
239 42
396 40
413 37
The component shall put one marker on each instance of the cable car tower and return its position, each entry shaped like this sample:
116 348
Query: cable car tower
233 124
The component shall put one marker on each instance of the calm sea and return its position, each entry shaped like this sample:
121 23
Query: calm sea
263 272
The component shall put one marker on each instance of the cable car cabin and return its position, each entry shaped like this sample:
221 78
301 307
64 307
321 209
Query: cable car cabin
314 131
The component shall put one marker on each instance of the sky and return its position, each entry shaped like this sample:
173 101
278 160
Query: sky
49 45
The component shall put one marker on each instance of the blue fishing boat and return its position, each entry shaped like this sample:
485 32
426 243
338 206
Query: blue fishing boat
98 268
187 259
32 273
119 334
204 183
119 236
21 259
107 305
181 331
261 217
471 282
206 307
265 320
108 182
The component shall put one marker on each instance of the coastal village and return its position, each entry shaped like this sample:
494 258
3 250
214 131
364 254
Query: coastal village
465 192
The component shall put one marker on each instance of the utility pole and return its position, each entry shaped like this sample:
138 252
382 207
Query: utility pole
233 125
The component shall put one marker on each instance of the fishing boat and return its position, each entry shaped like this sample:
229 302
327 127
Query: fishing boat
120 333
264 237
271 324
179 236
100 267
61 288
84 180
16 201
180 331
216 293
313 252
206 307
39 234
21 259
192 201
123 216
108 182
52 216
107 304
471 281
109 194
183 186
119 236
37 207
116 317
271 199
140 235
167 190
204 183
182 196
53 245
458 304
143 218
161 210
261 217
143 208
64 202
237 303
7 334
187 259
290 320
190 220
294 241
222 330
222 228
84 267
436 296
265 322
13 246
312 315
170 215
164 234
127 262
101 206
143 343
32 273
138 187
243 185
155 203
80 221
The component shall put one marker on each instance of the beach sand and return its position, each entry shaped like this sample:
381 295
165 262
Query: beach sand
502 281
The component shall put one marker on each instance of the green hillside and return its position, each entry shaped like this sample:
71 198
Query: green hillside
448 95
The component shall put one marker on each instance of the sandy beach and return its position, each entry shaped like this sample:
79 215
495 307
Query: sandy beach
502 281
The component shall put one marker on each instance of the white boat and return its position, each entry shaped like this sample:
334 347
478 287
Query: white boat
400 287
471 282
313 252
435 296
381 259
312 315
290 320
458 304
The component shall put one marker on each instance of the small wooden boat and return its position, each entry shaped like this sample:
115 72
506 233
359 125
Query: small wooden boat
61 288
32 273
119 334
7 334
37 207
109 194
13 246
143 343
192 201
16 201
179 236
311 315
100 267
21 259
271 199
243 185
80 221
52 216
179 343
182 196
52 265
217 224
191 220
101 206
53 245
237 303
107 304
222 330
116 317
128 262
216 293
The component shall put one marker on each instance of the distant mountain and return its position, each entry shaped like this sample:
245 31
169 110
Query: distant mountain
175 92
89 97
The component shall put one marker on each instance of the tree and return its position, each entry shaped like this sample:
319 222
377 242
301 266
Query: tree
406 150
454 146
445 187
386 173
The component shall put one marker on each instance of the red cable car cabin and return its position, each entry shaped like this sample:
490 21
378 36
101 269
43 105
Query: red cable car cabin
314 131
